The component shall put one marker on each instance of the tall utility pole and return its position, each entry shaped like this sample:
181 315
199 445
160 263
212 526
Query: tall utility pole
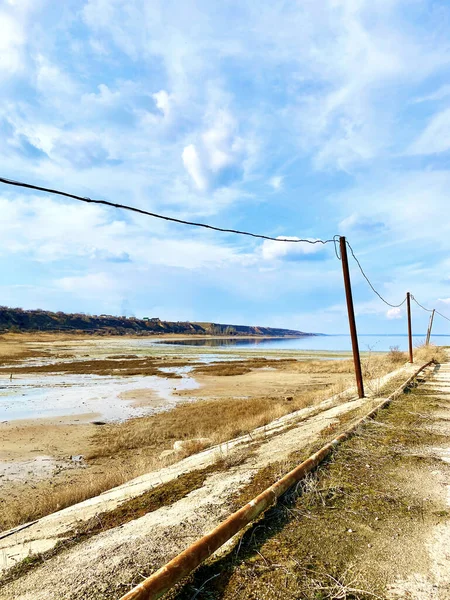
429 328
351 316
408 305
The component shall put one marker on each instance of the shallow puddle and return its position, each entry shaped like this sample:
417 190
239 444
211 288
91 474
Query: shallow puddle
31 397
26 470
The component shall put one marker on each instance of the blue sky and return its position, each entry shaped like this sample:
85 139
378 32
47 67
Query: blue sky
291 118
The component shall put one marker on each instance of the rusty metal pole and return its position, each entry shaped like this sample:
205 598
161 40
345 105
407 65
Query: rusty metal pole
351 316
408 304
429 328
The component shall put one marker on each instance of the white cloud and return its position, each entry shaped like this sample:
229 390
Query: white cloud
444 300
394 313
353 143
98 47
343 58
52 82
81 148
411 205
239 95
16 23
362 223
441 93
194 167
276 182
163 101
436 136
272 250
52 231
219 150
92 284
12 38
105 97
221 143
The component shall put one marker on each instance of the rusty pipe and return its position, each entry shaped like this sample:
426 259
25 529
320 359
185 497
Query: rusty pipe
182 565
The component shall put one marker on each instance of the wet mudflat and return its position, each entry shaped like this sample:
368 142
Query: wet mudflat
106 397
122 404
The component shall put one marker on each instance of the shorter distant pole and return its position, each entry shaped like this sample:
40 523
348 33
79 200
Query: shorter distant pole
351 316
408 304
429 328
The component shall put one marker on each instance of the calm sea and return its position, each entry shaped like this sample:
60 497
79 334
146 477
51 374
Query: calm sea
374 343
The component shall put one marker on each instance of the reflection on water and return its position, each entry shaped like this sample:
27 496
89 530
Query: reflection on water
223 342
330 343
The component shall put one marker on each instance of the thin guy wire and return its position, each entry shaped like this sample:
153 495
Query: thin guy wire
158 216
336 246
370 284
428 309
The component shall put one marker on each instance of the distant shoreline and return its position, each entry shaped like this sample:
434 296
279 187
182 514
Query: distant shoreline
17 320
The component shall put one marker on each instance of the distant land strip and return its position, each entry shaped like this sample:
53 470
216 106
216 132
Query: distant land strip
17 320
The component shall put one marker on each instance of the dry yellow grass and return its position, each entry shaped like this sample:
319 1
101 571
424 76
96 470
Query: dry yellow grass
47 499
13 349
217 420
120 366
126 450
425 353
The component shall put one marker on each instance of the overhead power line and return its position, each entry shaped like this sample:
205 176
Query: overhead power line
383 299
158 216
214 228
441 315
429 309
423 307
370 284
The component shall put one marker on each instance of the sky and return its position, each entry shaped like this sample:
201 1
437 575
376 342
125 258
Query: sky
289 118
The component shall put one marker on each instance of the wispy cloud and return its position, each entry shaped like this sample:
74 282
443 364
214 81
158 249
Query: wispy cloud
436 136
440 94
361 224
300 119
216 159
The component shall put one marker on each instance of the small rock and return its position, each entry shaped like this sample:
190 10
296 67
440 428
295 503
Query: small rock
289 398
78 458
350 530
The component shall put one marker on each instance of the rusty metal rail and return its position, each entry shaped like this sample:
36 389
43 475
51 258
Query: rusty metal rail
182 565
